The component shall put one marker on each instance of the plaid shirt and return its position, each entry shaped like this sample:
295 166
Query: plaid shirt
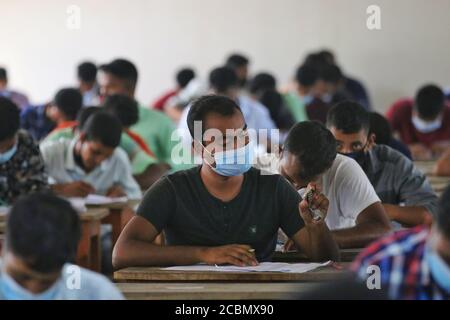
404 271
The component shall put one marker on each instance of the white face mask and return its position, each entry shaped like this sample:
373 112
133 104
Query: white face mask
426 126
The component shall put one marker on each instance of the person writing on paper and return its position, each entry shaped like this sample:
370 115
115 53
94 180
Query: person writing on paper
223 211
91 162
355 215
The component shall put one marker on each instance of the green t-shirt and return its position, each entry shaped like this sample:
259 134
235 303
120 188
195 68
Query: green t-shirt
158 131
139 159
296 106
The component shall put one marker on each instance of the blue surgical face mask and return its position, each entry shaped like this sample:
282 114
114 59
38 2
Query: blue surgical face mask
307 99
6 156
439 269
426 126
234 162
11 290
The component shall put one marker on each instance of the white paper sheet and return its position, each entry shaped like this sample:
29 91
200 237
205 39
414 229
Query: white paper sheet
95 199
4 210
262 267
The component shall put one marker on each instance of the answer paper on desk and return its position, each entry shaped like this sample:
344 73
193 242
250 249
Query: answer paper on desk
95 199
262 267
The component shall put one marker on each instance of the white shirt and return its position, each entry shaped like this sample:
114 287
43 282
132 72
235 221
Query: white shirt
346 186
61 166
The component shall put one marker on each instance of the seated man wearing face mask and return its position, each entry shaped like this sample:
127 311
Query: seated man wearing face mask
355 214
414 264
404 190
22 168
423 124
223 211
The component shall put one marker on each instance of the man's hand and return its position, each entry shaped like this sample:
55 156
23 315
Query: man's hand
320 202
420 152
235 254
74 189
115 191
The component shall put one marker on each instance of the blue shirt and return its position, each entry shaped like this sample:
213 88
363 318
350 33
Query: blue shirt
75 283
35 121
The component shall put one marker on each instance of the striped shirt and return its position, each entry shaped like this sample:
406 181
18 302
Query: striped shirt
405 274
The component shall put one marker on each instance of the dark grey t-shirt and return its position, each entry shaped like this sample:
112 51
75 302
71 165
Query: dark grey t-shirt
180 205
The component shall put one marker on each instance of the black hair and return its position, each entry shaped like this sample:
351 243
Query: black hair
210 104
69 101
184 76
313 145
87 71
443 214
307 75
348 117
124 108
327 55
84 115
122 69
222 79
381 128
3 74
330 73
9 118
237 60
429 101
316 60
279 113
104 128
262 82
44 230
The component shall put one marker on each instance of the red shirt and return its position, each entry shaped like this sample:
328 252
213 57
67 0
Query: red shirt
161 102
400 118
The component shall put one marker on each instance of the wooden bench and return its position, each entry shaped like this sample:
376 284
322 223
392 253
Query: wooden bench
213 291
118 216
89 247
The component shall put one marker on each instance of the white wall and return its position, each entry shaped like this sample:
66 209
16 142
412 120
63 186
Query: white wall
161 35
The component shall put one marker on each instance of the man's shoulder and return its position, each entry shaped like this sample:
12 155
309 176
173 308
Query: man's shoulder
385 154
402 107
157 116
92 285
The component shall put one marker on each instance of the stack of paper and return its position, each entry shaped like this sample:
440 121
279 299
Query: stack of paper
262 267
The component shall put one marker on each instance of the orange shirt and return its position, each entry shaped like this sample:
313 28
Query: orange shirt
140 142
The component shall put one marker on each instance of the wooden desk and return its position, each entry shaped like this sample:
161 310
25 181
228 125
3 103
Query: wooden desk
89 248
153 274
347 255
118 217
425 166
213 291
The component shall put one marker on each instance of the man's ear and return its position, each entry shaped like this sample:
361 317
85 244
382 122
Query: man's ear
371 140
197 147
82 136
